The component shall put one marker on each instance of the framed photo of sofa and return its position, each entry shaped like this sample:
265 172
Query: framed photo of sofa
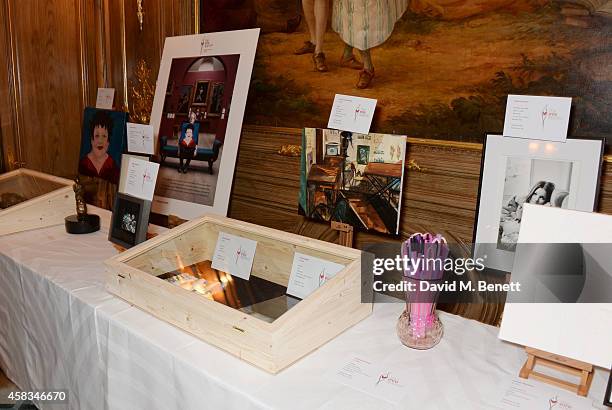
516 171
198 180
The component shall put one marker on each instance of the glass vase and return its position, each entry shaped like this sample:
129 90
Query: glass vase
418 326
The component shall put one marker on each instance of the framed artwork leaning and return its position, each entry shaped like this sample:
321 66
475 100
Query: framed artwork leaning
130 220
516 171
103 140
353 178
197 168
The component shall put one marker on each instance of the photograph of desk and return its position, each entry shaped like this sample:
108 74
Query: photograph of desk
62 329
386 180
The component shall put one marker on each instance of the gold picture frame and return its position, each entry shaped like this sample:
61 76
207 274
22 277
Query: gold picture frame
201 89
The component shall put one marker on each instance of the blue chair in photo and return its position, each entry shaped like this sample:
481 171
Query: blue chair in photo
208 154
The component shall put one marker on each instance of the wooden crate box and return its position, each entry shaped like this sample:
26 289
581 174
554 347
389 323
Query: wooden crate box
32 200
273 344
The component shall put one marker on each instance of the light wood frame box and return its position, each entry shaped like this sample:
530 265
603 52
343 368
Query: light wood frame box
272 346
49 200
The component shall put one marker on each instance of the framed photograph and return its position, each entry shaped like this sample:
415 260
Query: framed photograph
103 140
516 171
195 174
363 154
608 397
130 220
200 93
170 88
182 103
332 149
353 178
215 103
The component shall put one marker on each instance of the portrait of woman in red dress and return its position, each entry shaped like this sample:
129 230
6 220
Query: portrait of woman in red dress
96 159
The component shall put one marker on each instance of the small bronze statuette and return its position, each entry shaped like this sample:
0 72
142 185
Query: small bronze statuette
82 222
79 196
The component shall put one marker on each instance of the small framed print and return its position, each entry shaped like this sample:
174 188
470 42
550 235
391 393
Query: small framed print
608 397
215 99
130 220
332 149
200 93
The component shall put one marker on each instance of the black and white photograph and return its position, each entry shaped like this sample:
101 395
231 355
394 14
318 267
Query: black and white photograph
534 181
517 171
130 220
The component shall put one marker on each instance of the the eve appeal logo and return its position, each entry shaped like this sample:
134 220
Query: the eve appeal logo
387 378
553 402
241 254
548 113
205 45
359 112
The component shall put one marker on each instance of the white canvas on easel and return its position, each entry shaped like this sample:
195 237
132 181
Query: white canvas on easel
581 331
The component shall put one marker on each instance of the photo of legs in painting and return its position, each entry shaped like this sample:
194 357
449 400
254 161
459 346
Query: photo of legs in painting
439 68
353 178
533 181
193 126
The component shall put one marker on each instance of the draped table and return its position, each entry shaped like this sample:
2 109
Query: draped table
60 329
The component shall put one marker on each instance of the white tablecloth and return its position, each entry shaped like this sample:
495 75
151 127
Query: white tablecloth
60 329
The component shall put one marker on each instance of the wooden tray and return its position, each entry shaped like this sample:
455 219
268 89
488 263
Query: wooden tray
48 200
270 345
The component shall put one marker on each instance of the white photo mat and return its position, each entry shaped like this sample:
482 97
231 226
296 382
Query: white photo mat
242 43
581 331
585 156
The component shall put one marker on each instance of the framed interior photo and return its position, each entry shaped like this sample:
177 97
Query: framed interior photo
516 171
197 168
353 178
130 220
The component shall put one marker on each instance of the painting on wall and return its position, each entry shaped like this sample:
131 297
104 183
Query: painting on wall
200 95
216 99
182 107
439 68
353 178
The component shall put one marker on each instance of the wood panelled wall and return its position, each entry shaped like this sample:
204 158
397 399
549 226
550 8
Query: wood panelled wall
439 198
58 53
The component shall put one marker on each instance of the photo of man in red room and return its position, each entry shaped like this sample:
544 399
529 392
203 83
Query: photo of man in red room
192 128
